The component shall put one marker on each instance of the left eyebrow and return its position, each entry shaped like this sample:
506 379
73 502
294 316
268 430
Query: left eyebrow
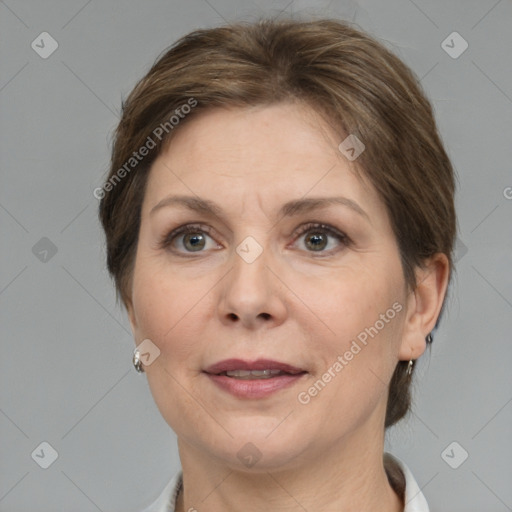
310 204
289 209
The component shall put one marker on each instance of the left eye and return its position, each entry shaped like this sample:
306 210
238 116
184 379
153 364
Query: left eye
318 235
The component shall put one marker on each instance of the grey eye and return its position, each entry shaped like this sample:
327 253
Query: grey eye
316 241
194 241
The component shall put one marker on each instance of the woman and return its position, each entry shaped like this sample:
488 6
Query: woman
279 219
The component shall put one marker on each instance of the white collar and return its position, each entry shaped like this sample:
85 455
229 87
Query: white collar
414 499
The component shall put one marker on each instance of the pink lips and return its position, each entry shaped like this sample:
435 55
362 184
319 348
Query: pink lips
253 388
260 364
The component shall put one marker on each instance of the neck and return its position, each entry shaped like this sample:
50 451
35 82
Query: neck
342 478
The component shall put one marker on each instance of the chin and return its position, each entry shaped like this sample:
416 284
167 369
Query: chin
258 445
259 457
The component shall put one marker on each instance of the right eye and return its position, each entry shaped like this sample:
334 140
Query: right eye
191 237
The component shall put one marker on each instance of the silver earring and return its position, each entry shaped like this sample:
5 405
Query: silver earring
137 363
429 338
409 367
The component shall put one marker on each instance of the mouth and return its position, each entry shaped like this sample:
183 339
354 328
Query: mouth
256 379
247 370
254 374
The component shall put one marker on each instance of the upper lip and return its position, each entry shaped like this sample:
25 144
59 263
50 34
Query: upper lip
260 364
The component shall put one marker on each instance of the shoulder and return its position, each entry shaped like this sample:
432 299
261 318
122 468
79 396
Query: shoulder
166 501
403 481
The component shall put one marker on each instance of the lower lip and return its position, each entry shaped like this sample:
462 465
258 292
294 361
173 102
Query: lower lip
254 388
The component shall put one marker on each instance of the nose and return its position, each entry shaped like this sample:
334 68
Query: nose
251 293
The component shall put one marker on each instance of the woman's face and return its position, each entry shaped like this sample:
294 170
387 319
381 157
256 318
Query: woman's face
260 279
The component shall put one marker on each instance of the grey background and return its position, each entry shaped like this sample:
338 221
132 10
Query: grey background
66 376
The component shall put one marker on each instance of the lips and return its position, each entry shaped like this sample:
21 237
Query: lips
253 379
232 365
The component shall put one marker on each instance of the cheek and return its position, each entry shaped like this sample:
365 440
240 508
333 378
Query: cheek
174 312
161 306
348 304
167 313
356 362
360 318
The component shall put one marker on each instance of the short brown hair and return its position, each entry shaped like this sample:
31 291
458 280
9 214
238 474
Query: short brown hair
356 83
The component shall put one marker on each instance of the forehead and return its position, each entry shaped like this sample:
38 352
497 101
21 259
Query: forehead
263 154
262 137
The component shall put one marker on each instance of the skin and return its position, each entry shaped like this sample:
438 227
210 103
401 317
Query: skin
290 304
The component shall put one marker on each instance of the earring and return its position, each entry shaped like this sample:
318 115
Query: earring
137 363
409 367
429 338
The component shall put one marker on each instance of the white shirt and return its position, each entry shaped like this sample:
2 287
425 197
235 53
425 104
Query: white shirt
414 499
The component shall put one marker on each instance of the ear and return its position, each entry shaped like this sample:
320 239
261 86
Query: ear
424 305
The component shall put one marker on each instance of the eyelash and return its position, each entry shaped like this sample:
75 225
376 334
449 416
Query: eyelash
167 239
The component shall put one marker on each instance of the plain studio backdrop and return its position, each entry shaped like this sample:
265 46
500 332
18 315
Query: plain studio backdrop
79 428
